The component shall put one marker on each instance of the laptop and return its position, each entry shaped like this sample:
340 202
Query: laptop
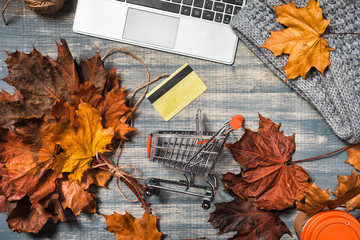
195 28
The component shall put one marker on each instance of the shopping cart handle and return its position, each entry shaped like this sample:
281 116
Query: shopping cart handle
149 146
236 122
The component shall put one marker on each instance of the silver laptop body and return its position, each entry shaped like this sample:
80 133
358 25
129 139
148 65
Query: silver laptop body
173 26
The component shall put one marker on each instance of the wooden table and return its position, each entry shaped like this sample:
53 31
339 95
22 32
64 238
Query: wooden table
247 87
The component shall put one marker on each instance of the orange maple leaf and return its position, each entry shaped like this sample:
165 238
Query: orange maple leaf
126 227
302 40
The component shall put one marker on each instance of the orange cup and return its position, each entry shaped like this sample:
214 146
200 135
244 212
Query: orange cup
331 225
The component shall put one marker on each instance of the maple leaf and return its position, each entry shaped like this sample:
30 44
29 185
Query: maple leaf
354 156
31 218
95 176
93 71
62 111
314 199
116 113
80 144
268 176
40 80
73 196
112 106
24 157
67 67
90 94
7 97
302 40
248 221
27 186
126 227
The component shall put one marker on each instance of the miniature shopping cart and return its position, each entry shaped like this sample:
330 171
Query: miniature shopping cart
193 152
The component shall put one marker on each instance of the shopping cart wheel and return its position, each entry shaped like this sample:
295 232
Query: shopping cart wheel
206 205
149 192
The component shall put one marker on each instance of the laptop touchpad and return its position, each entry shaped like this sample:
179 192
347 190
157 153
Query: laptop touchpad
151 28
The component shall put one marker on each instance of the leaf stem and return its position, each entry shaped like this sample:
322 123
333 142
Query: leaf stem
3 12
340 33
324 155
203 238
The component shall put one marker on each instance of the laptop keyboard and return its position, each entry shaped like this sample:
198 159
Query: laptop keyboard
220 11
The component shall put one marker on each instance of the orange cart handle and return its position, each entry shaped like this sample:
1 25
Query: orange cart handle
236 122
149 145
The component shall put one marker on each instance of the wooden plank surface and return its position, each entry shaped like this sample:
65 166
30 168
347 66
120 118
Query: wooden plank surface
248 87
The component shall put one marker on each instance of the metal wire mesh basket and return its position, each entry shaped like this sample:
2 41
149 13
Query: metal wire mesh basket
192 152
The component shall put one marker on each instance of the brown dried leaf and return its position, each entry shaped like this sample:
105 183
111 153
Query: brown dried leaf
347 190
88 93
25 156
66 66
354 156
73 196
93 70
31 218
27 186
63 112
114 111
7 97
40 80
268 177
314 199
353 203
95 176
12 111
249 222
126 227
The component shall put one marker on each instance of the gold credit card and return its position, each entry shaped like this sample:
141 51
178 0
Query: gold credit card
176 92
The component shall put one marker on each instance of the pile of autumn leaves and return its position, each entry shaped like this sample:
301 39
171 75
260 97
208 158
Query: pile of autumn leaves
61 116
271 182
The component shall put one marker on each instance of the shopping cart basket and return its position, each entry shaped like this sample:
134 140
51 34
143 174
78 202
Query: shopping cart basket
194 153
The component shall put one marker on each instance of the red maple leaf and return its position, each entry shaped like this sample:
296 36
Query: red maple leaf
269 175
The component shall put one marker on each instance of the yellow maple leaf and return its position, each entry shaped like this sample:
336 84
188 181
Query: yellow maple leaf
302 40
82 143
126 227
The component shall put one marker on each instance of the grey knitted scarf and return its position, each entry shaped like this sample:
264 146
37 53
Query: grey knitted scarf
337 95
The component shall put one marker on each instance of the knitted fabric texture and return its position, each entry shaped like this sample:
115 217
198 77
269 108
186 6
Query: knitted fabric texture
337 94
